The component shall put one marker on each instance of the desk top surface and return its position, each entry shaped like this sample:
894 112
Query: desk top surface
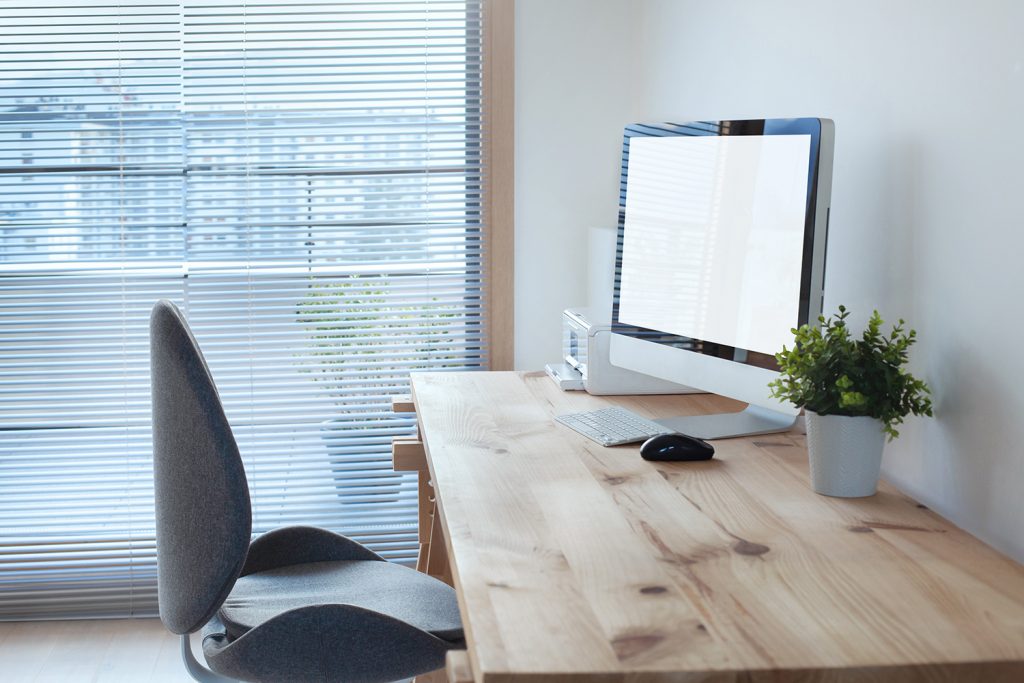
573 560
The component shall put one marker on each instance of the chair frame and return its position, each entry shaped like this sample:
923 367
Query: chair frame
195 669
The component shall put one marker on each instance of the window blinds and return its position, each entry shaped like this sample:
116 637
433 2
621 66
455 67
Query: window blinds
304 179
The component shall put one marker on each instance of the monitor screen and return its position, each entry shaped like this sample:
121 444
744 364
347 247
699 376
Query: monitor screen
714 233
714 237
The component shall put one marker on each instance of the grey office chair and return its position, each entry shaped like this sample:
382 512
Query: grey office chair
298 603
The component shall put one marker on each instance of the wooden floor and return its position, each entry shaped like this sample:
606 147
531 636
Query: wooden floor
113 650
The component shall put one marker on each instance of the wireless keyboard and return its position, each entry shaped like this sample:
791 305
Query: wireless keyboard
613 426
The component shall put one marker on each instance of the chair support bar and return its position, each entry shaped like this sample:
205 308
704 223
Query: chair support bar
197 670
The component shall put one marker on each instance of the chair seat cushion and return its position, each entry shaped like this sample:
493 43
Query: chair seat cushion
391 589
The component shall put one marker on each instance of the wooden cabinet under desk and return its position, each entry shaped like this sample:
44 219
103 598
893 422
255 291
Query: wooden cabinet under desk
578 562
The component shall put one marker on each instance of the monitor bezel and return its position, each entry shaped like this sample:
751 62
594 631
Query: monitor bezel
810 281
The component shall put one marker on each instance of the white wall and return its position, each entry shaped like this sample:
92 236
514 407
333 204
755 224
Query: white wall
572 100
928 100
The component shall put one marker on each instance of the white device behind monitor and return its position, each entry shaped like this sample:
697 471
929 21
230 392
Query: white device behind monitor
721 252
585 337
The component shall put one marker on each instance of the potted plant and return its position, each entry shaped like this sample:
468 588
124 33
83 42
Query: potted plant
854 392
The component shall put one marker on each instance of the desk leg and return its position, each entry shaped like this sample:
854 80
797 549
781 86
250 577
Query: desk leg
438 676
437 553
409 455
458 667
426 514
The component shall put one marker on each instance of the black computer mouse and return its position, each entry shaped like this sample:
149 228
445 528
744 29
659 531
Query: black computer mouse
676 447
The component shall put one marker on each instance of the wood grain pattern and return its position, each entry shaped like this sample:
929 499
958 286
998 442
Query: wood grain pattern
578 562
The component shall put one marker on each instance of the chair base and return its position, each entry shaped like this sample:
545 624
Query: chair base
196 670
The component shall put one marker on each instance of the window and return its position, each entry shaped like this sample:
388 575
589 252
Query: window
305 180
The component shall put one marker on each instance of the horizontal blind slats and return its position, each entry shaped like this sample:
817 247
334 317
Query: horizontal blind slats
305 180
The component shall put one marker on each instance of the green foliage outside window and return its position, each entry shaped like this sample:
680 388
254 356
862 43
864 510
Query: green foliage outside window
365 336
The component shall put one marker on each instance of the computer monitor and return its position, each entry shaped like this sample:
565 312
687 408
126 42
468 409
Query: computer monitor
721 253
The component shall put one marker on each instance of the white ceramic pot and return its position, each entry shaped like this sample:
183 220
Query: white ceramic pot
845 454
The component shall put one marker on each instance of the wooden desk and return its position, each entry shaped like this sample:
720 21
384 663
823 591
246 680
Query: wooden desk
577 562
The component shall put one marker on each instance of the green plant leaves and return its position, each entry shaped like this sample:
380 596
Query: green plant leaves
832 373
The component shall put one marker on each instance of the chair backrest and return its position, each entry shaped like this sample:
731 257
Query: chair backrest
203 513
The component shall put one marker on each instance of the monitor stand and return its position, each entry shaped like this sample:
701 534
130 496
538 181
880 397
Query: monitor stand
747 422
